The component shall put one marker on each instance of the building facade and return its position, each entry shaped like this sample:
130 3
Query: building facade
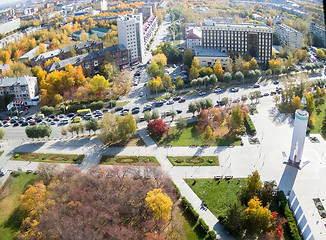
288 36
22 88
4 68
149 28
193 38
208 57
118 55
8 26
318 31
67 52
130 34
146 10
252 39
100 5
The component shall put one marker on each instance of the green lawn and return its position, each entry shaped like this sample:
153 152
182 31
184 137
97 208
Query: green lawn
11 216
48 157
194 161
129 160
189 136
319 121
1 152
191 228
217 195
121 104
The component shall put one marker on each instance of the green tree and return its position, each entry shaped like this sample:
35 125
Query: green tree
47 110
239 76
244 97
63 131
93 124
187 57
179 83
192 108
236 118
311 107
155 114
180 124
213 79
147 116
126 127
254 184
227 77
173 113
251 74
194 69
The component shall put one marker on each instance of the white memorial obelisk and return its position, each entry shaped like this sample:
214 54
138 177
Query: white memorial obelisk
299 134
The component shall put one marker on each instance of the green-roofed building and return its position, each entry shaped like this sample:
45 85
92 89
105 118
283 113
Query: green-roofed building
76 36
100 32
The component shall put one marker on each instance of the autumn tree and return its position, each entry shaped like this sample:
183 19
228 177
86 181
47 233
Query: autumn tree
311 107
99 85
218 70
160 204
194 69
208 134
253 64
157 128
295 103
252 188
236 118
258 218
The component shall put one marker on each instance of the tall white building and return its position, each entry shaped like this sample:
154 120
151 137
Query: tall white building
100 5
288 36
193 38
8 26
130 34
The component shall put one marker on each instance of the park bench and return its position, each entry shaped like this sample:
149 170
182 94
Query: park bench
218 177
29 171
228 177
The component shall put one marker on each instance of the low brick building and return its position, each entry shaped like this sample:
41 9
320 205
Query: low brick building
90 61
67 52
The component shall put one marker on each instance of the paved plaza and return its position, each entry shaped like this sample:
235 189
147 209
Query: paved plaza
274 132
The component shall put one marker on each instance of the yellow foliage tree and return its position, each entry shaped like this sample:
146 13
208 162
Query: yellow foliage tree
253 64
5 57
259 219
160 203
34 199
98 85
50 61
218 70
160 59
296 103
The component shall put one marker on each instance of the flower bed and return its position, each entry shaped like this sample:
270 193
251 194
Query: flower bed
129 160
194 160
48 157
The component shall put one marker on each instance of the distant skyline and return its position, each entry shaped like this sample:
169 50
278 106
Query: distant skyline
8 2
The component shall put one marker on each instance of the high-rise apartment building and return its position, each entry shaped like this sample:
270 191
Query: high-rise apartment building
130 34
252 39
100 5
318 31
288 36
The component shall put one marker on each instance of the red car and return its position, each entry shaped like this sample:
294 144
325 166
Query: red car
5 121
25 108
32 123
182 100
8 118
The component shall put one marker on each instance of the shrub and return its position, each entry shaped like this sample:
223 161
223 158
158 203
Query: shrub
249 125
187 205
47 110
211 235
16 155
204 225
112 104
210 160
97 105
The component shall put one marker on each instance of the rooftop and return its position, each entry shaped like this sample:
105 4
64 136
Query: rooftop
194 34
205 52
15 81
65 49
84 57
211 23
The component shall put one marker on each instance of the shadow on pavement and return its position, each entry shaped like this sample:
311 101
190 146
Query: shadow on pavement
222 232
28 147
288 179
280 118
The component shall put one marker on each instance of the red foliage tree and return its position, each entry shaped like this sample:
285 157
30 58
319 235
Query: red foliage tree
157 128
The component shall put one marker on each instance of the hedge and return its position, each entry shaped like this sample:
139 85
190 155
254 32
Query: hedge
249 125
210 235
284 205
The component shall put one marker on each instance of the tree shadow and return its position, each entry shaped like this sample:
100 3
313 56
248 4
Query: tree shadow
201 234
280 118
15 220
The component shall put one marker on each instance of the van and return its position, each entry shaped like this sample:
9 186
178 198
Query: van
76 120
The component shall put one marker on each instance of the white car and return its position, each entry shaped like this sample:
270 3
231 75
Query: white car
2 172
6 125
141 94
235 89
201 93
217 90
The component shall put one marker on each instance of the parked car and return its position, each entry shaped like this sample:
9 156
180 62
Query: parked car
63 121
235 89
276 82
256 86
201 93
141 94
182 100
266 94
179 111
70 115
16 124
217 90
2 172
118 109
6 125
24 124
52 123
176 98
33 123
1 124
135 111
170 102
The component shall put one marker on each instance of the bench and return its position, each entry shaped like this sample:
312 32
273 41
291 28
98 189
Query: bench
218 177
29 171
228 177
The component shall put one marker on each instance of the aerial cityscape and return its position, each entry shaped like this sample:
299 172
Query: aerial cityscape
159 119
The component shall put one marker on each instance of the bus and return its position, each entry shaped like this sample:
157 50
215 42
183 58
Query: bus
83 112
